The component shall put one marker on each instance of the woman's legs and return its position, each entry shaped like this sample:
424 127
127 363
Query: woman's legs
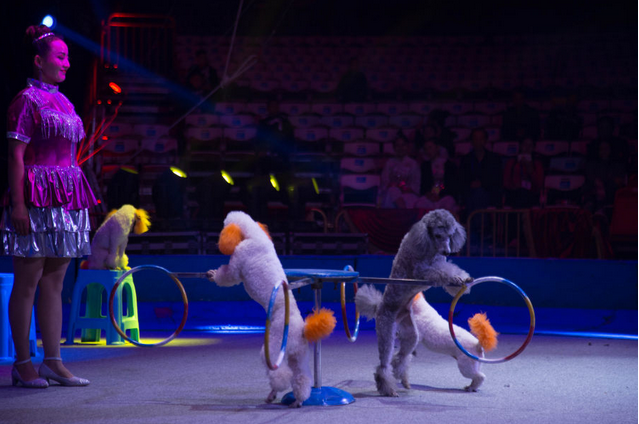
50 312
27 274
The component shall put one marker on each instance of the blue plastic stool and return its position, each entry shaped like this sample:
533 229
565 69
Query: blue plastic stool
7 349
96 281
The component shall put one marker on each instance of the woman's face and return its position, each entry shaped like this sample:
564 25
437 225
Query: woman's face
55 63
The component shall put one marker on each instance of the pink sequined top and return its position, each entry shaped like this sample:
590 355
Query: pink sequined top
45 119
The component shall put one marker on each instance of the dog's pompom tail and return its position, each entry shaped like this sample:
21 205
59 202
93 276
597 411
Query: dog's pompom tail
367 300
319 325
84 265
480 327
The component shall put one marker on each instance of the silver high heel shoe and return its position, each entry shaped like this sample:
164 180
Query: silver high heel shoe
46 373
38 383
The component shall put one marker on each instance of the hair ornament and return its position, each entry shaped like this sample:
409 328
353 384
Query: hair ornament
48 34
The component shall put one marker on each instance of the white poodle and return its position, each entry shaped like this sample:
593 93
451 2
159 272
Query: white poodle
108 248
255 262
434 333
421 256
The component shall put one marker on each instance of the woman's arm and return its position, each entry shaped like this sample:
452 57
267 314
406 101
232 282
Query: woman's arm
19 212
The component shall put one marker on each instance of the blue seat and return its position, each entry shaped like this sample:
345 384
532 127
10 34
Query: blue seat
7 349
96 282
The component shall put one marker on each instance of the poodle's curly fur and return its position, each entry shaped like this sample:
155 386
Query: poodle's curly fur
421 256
108 247
255 262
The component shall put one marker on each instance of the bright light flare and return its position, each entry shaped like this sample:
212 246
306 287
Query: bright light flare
49 21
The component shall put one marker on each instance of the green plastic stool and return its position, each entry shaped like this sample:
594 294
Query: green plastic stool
93 322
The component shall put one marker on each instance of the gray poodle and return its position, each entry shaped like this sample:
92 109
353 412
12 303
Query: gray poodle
421 256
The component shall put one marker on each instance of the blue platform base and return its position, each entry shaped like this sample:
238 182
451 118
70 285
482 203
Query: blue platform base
322 396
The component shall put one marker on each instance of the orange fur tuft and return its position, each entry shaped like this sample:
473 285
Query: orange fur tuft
417 296
264 228
480 327
84 265
319 325
230 237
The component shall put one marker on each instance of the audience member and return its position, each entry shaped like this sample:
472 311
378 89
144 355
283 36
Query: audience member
481 175
520 120
399 185
523 177
439 180
604 175
563 122
619 149
210 80
435 128
353 86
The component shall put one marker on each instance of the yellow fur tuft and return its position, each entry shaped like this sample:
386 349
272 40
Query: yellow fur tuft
142 222
319 325
480 327
230 237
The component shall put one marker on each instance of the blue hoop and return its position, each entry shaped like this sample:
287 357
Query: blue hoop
267 332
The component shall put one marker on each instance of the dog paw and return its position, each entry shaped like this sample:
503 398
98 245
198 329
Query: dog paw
405 383
210 274
271 396
470 389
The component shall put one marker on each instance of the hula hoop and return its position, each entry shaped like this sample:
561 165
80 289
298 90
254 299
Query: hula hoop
342 298
531 330
267 331
184 300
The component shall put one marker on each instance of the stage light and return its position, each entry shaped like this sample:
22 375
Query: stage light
116 88
49 21
124 188
315 185
227 177
274 183
168 193
178 172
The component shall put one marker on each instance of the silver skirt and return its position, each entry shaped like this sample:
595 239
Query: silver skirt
55 233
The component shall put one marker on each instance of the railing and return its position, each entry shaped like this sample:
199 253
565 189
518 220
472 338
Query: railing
138 42
510 232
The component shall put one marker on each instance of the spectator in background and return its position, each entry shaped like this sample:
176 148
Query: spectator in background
439 180
523 177
604 175
520 120
399 185
481 175
353 86
564 122
619 149
210 80
435 128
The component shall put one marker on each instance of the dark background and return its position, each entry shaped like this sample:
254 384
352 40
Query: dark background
300 17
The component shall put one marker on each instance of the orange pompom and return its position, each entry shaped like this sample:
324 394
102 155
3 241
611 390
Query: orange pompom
230 237
480 327
84 265
319 325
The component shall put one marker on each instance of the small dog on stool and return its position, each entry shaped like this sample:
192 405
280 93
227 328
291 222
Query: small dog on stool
434 333
255 263
111 238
